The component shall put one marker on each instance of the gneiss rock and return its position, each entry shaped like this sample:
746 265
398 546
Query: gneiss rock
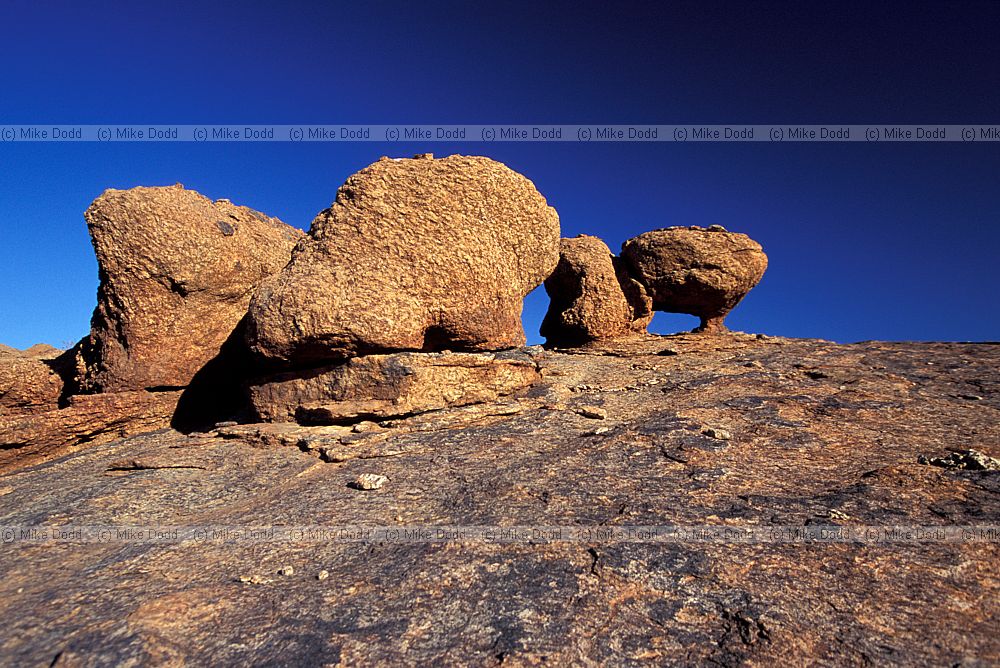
385 386
176 274
697 271
415 254
592 296
810 455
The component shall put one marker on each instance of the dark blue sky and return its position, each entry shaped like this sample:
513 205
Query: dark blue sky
887 241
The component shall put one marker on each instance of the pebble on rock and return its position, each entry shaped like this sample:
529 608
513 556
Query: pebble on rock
369 481
715 432
592 412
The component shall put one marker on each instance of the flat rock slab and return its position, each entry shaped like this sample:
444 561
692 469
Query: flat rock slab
820 434
390 386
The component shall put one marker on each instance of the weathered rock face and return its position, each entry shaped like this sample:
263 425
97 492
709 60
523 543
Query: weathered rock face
703 272
38 423
415 254
28 380
87 420
821 435
386 386
177 271
592 296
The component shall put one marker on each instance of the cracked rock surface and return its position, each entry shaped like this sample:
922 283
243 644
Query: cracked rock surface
819 434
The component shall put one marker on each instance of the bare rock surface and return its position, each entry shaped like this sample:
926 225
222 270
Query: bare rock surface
820 434
388 386
703 272
28 379
85 420
176 270
414 254
592 296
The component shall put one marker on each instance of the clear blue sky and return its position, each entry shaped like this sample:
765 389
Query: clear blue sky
880 241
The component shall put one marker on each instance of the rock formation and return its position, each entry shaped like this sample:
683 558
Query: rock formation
414 254
177 271
823 437
38 422
28 380
703 272
390 386
592 296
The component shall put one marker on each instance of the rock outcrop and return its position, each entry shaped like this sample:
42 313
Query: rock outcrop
39 422
703 272
177 271
86 420
592 296
823 436
29 381
390 386
415 254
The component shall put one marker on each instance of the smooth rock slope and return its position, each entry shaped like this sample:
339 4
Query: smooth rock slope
820 435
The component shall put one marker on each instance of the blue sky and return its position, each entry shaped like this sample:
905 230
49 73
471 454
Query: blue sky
866 241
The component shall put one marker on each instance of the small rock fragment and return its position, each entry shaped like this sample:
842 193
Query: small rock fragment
254 579
593 412
972 397
365 426
971 460
286 570
369 481
322 575
715 432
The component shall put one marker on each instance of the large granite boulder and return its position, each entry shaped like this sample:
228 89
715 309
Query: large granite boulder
177 271
703 272
592 296
414 254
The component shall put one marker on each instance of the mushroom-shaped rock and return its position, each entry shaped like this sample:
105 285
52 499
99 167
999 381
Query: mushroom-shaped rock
177 271
704 272
592 296
414 254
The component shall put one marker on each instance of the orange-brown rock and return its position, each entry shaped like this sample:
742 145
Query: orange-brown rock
414 254
28 438
703 272
28 379
592 296
388 386
177 271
